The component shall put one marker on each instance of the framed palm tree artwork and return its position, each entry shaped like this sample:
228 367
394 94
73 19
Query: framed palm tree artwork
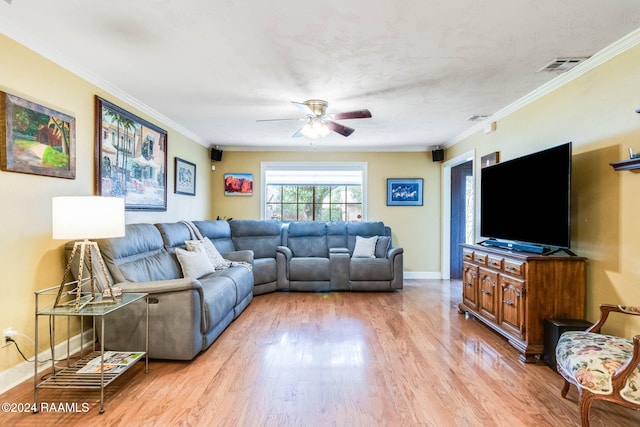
130 158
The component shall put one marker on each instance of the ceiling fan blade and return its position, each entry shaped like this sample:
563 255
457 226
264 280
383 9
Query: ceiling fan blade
277 120
359 114
341 129
304 108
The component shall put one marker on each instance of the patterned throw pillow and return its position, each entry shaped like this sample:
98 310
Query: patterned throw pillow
212 252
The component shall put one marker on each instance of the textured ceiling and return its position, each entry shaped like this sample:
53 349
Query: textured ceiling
422 67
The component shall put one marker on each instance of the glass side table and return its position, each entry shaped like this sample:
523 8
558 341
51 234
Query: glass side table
97 368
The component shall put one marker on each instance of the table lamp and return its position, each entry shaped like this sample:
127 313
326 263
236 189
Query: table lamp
82 218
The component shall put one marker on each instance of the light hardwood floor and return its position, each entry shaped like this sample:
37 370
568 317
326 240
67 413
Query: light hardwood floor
405 358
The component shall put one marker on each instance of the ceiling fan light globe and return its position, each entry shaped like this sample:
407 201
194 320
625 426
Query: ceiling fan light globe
324 131
317 126
308 131
315 129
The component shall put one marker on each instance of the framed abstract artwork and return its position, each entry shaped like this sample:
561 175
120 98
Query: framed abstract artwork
35 139
185 177
130 158
404 191
238 184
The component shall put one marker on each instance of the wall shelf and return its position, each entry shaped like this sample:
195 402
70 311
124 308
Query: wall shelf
626 165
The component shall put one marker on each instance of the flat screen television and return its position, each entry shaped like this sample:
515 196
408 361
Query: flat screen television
527 200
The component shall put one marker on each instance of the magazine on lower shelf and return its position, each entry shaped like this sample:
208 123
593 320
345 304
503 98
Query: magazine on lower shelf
114 362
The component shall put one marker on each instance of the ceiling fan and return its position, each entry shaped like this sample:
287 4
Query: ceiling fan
318 123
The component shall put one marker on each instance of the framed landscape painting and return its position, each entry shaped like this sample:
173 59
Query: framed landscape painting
36 139
238 184
185 179
131 158
404 191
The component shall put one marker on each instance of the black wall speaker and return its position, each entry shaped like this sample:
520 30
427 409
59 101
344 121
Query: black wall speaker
216 154
437 155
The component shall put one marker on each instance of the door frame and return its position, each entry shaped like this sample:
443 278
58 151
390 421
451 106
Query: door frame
445 249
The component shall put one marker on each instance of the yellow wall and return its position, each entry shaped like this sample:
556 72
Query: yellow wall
597 113
29 259
415 228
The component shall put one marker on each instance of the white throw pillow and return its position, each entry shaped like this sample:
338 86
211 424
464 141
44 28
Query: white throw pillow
365 247
209 248
195 264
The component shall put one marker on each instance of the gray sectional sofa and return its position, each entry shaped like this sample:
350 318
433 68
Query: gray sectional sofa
186 314
318 256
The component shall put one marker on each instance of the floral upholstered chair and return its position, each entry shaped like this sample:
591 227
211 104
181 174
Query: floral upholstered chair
602 367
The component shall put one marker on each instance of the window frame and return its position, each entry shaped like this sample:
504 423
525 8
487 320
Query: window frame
310 167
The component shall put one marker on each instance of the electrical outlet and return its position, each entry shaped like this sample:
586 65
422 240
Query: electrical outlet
8 333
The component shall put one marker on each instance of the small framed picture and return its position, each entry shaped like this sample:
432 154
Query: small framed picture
185 177
238 184
404 191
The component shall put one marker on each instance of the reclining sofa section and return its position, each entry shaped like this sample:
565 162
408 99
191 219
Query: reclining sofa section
310 256
318 256
186 315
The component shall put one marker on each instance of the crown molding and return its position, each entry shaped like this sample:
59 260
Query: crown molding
333 149
19 35
56 56
625 43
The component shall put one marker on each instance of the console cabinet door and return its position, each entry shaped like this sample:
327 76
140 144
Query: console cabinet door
514 292
488 301
470 285
512 295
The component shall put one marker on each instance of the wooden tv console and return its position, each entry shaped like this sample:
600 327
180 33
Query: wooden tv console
513 292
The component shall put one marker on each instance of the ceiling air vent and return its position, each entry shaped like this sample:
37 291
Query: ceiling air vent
561 65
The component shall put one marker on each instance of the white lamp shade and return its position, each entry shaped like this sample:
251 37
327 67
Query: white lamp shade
87 217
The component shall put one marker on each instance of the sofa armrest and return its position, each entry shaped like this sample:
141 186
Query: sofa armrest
170 286
285 251
171 299
242 256
283 257
339 262
162 286
392 252
338 251
396 258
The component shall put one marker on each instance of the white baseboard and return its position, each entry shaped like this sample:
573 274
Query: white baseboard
422 275
11 377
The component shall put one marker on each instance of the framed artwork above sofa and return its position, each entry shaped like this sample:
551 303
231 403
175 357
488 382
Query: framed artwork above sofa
131 158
